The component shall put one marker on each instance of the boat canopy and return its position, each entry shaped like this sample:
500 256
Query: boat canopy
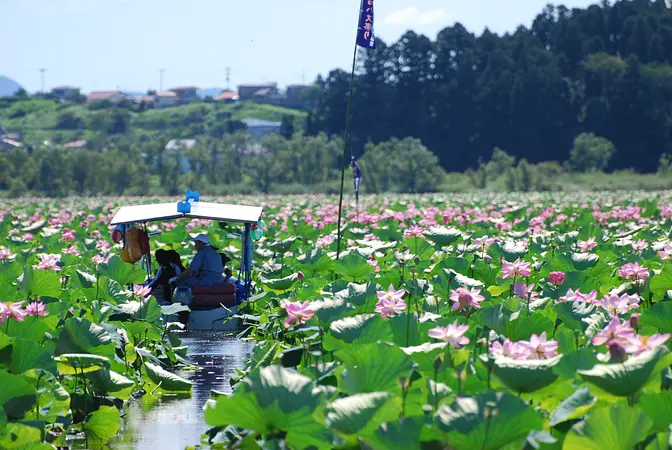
199 210
192 208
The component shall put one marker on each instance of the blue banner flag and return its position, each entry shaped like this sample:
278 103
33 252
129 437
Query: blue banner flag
365 35
356 176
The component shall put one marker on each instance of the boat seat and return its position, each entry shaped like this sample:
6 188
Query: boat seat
212 297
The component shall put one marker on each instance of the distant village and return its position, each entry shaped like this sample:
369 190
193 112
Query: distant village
291 97
294 96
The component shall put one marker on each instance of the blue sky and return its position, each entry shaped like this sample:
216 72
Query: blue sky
105 44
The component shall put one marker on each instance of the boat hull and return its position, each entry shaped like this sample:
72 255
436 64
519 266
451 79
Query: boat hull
211 320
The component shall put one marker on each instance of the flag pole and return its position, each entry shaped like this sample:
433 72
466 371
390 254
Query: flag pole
345 142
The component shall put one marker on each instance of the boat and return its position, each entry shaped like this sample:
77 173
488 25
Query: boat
211 308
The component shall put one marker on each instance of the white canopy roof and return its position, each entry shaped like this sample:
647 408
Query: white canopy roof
199 210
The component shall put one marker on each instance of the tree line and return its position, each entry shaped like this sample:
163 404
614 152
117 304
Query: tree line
604 70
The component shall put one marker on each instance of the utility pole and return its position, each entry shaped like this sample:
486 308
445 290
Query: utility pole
42 77
228 78
161 71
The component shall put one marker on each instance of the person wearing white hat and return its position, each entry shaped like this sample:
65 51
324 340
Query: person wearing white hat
206 267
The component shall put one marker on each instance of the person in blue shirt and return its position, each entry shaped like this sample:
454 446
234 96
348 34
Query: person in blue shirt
205 269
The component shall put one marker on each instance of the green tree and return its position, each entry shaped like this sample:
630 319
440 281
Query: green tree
590 153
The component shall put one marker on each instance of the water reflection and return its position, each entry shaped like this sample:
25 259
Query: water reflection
177 422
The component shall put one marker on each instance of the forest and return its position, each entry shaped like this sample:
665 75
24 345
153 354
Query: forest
603 70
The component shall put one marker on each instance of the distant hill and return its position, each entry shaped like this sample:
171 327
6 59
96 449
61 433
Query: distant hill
209 92
8 87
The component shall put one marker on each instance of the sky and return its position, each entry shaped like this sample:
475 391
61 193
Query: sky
123 44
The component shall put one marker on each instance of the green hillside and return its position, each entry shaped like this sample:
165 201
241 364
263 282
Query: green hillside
44 119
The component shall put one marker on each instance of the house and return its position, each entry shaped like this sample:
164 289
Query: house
165 99
227 97
249 91
113 96
186 94
65 92
81 143
258 128
9 144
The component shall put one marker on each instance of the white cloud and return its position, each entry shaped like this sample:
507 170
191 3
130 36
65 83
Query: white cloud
413 16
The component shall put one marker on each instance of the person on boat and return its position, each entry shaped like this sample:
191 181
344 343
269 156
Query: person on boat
160 284
176 260
205 269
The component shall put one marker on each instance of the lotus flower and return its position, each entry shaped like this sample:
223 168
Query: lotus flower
35 309
556 278
390 302
666 252
49 262
72 250
538 347
11 310
298 313
524 291
509 349
141 291
466 298
453 334
413 231
6 253
641 344
633 271
517 268
615 332
639 246
586 246
616 305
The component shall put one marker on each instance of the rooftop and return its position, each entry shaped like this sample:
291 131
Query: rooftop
260 123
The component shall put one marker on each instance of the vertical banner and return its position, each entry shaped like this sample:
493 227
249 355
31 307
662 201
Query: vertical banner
365 36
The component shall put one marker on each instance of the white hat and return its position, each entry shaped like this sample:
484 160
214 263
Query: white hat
202 238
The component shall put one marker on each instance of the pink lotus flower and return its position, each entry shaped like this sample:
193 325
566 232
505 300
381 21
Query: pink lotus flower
49 262
390 302
539 348
617 332
68 235
413 231
141 291
298 313
72 250
466 298
99 259
639 245
6 253
666 253
35 309
484 242
633 271
586 246
27 237
524 291
616 305
453 334
641 344
518 268
11 310
508 349
556 278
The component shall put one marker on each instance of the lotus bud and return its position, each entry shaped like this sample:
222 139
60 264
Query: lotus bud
617 352
300 276
556 278
437 362
416 260
634 320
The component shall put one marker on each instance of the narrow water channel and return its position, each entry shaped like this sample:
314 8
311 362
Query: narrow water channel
175 423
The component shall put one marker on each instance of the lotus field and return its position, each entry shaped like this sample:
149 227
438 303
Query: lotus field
456 322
